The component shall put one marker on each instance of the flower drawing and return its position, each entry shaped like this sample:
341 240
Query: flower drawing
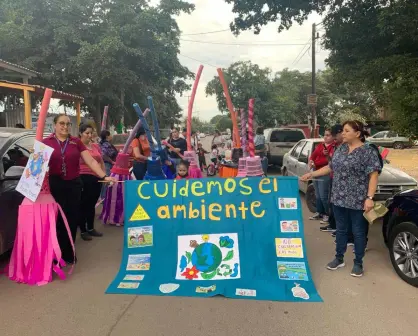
225 241
190 273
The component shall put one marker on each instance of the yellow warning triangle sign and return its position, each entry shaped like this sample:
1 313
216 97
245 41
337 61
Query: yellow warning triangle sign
139 214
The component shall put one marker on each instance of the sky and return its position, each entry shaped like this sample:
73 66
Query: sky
215 15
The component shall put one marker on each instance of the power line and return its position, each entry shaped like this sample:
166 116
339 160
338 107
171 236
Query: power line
194 59
209 32
251 44
309 48
296 60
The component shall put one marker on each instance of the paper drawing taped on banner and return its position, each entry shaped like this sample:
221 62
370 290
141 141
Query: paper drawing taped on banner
289 247
140 236
139 262
139 214
292 271
208 257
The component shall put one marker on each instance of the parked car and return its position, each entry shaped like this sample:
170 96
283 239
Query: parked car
400 233
202 135
279 141
15 147
295 163
390 139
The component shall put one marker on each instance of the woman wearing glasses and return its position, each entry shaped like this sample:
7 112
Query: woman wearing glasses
64 179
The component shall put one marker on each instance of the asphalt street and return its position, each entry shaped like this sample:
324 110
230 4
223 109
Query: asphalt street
378 304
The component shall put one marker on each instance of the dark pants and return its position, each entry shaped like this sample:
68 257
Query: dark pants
108 167
89 198
359 226
68 195
139 169
331 220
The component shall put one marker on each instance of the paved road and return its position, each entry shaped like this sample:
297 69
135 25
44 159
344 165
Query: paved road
378 304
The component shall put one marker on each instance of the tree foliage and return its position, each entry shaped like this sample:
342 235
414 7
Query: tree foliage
110 52
284 95
373 43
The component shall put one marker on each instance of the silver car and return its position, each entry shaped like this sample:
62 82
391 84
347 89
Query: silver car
295 163
390 139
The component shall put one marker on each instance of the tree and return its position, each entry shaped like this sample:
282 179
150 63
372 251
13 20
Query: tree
245 80
224 123
111 53
370 42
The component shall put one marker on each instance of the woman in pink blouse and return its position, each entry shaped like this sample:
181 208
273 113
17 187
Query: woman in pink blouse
91 185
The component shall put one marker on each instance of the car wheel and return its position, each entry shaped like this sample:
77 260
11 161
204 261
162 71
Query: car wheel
310 198
398 145
403 246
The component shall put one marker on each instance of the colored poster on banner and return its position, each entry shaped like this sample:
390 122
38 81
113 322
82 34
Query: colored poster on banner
31 181
241 238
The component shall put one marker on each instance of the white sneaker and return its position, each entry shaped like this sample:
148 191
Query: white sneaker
325 219
317 216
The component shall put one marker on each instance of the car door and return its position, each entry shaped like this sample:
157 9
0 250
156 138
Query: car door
293 159
390 139
302 164
16 155
379 138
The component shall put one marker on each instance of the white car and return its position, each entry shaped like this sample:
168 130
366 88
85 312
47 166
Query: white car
202 135
295 163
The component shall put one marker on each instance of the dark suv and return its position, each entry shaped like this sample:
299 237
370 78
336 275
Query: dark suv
400 233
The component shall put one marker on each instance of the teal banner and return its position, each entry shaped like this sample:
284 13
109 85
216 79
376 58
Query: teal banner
241 238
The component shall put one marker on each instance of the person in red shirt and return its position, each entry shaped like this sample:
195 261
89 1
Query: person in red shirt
91 185
319 159
64 179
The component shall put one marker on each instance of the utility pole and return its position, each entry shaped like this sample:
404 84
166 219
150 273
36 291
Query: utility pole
313 105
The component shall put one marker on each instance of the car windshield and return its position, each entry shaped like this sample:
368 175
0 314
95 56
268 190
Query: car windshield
2 141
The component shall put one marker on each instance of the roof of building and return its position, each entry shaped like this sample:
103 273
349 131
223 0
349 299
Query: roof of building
18 68
39 90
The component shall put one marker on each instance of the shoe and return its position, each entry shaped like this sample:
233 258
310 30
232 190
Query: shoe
317 216
334 234
325 220
348 244
335 264
357 270
95 233
86 236
326 229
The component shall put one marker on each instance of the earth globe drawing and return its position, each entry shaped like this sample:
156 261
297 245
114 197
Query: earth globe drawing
206 257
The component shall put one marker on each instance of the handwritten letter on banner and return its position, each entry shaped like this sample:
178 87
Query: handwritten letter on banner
240 238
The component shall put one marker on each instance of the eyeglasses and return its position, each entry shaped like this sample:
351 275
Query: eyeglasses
64 124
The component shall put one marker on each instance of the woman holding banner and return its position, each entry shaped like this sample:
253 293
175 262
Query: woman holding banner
356 167
64 179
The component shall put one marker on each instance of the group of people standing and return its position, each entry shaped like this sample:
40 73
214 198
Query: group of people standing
345 170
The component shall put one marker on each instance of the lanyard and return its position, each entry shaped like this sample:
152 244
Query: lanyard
63 149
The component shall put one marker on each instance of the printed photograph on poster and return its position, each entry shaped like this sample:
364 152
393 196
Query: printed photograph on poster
292 271
288 203
133 277
128 285
289 247
208 257
140 236
289 226
139 262
33 176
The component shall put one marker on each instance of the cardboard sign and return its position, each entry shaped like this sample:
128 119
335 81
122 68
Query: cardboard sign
241 238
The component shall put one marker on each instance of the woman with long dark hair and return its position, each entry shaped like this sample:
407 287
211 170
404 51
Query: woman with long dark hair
109 153
91 185
64 179
356 167
141 150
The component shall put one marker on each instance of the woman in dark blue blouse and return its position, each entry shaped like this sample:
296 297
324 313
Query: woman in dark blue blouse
356 167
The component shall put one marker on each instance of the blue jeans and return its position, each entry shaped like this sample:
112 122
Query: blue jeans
264 164
322 190
354 219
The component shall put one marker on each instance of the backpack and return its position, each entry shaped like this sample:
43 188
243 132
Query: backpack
377 150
